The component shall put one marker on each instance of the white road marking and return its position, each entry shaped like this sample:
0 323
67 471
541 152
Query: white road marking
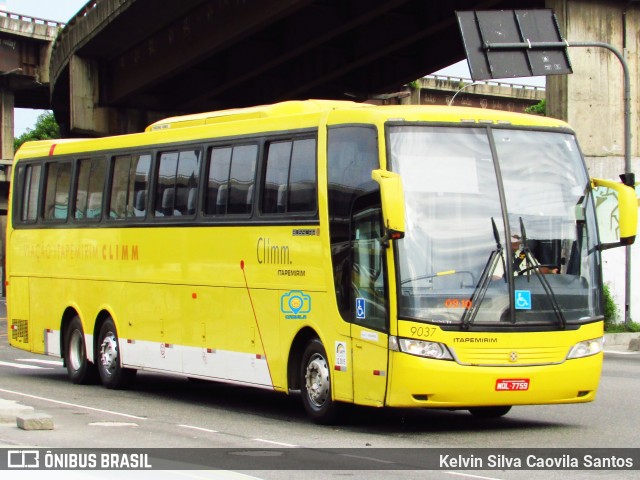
273 443
616 352
468 475
75 405
371 459
113 424
57 363
199 428
24 367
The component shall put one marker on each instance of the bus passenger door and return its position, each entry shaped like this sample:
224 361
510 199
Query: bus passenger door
370 320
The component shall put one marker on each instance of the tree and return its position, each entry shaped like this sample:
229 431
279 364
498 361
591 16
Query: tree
539 108
45 128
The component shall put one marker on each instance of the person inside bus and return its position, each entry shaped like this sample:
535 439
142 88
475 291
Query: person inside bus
520 262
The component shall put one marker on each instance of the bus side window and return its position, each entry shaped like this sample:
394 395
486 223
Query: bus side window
241 178
94 205
302 177
58 183
231 178
89 182
129 186
177 173
29 176
290 177
218 166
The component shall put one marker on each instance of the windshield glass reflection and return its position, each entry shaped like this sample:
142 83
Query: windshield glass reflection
481 232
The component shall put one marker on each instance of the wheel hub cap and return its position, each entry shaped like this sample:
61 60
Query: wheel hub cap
317 380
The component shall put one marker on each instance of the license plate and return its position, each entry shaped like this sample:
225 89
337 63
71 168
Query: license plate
512 384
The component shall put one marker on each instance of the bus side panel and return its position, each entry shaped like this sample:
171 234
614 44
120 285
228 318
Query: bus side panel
48 297
18 313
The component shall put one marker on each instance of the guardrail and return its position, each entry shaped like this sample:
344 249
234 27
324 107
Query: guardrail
30 19
488 82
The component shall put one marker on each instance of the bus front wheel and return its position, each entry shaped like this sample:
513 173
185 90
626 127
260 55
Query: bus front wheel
112 374
79 369
315 383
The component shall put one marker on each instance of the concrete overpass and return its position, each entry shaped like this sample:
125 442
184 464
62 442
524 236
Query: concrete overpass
446 90
120 64
25 50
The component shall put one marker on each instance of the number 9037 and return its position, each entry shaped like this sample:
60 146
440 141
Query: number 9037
423 332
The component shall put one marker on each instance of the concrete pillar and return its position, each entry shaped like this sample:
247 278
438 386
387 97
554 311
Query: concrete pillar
6 123
591 100
86 117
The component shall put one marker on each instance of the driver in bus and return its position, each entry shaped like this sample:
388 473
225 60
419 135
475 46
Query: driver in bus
520 262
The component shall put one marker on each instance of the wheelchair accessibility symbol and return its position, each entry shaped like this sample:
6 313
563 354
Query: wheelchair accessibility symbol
523 300
360 309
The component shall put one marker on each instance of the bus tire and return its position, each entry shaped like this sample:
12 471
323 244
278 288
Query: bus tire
79 369
112 374
490 412
315 382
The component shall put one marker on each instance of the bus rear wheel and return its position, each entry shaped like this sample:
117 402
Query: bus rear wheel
315 381
112 374
490 412
79 369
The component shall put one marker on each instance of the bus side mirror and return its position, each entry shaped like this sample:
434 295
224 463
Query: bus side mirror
392 199
616 203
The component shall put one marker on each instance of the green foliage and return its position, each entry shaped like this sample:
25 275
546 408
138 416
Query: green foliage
45 128
539 108
611 315
610 309
633 327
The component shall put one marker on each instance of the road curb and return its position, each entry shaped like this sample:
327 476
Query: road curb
621 339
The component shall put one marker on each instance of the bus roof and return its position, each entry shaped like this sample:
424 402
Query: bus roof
294 107
405 112
276 117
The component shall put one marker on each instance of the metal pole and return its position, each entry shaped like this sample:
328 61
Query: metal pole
628 175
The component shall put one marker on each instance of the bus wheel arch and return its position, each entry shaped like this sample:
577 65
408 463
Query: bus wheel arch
316 385
294 363
80 369
107 354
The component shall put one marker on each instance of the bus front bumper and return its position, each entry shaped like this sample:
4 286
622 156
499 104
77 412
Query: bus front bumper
421 382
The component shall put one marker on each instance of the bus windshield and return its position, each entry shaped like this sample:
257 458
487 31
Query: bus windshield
500 228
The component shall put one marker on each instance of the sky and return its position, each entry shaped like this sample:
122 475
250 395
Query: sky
63 10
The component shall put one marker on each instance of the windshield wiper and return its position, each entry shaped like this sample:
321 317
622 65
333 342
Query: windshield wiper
534 266
480 291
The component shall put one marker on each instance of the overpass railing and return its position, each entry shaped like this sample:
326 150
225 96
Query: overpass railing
492 83
30 19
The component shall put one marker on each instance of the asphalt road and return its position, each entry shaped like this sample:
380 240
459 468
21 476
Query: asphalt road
170 412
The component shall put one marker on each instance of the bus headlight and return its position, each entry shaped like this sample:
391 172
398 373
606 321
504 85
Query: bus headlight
586 348
422 348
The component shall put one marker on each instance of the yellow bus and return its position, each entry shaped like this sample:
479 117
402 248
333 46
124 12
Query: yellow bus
401 256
